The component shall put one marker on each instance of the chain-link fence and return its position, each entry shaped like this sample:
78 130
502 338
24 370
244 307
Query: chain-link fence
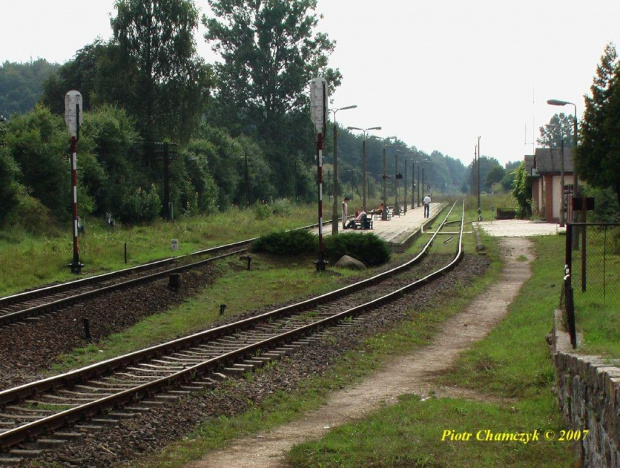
594 262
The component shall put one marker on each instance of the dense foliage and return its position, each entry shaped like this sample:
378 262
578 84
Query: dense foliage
167 79
235 133
598 153
522 192
269 52
21 85
286 243
367 248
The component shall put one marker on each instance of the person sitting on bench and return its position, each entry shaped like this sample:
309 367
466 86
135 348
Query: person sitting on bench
358 219
377 211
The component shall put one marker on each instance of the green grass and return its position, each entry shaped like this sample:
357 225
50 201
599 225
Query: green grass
512 364
493 365
352 367
270 281
596 310
27 261
417 433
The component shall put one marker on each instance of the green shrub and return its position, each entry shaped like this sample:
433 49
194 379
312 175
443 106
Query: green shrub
262 210
286 243
282 206
32 215
142 205
367 248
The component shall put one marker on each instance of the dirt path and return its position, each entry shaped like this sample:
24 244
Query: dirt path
409 374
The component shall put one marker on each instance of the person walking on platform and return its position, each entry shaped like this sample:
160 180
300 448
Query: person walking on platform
427 206
345 215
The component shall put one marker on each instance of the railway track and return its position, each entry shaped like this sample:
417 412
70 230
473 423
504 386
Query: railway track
119 387
31 304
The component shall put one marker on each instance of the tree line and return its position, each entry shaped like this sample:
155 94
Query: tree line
230 133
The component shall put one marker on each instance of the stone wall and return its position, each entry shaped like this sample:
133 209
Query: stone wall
588 391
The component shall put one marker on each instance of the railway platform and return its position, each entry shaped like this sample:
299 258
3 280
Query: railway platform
399 231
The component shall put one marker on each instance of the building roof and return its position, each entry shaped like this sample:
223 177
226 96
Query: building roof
549 160
529 163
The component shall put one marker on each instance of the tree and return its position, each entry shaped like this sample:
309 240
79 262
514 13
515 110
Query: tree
8 183
559 128
270 52
598 153
98 71
522 192
21 85
39 143
495 175
171 82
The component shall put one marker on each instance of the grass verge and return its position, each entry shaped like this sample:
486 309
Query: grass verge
350 368
512 366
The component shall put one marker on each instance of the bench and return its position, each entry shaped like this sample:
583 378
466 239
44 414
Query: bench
364 223
379 216
503 213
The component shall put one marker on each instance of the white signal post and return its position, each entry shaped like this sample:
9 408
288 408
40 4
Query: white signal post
319 108
73 119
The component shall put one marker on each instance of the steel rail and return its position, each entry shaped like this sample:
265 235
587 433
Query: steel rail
20 315
49 290
31 430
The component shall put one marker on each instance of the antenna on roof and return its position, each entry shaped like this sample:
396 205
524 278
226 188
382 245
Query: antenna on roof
533 142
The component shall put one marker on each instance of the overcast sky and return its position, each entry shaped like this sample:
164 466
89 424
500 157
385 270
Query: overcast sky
436 73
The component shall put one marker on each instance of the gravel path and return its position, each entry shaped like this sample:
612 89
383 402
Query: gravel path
409 374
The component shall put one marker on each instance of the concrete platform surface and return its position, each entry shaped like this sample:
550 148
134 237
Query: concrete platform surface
519 228
395 231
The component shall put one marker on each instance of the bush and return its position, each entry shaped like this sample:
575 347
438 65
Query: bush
286 243
282 206
142 205
262 210
32 215
368 248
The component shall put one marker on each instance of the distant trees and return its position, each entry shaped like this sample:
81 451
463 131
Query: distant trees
598 153
21 85
147 87
491 172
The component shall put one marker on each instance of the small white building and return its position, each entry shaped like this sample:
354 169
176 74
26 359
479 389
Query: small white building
547 170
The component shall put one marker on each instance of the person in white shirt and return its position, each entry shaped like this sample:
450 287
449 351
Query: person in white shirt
358 219
345 215
427 206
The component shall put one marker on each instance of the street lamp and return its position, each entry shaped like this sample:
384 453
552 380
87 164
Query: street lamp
396 207
478 181
413 184
365 132
557 102
405 187
335 207
384 211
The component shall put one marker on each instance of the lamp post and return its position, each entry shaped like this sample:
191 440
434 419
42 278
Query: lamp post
364 185
413 184
384 212
478 181
420 162
557 102
405 186
335 194
396 207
